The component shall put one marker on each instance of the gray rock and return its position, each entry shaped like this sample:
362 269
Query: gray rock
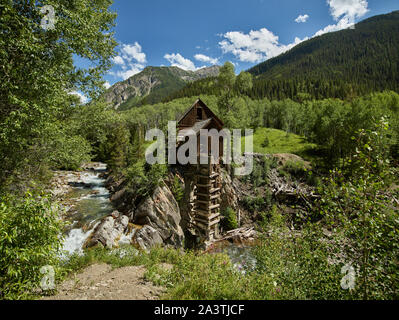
147 237
229 197
151 79
161 212
108 231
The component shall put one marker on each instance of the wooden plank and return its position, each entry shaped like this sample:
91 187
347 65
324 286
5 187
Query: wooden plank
216 196
212 176
207 212
206 222
203 201
214 222
209 218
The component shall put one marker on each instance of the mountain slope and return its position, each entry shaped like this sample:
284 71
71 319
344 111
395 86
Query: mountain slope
342 64
153 84
367 56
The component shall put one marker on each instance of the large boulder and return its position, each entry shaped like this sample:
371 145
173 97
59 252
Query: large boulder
147 237
229 197
109 231
162 213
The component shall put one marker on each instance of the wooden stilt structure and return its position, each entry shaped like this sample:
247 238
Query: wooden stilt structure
207 199
204 202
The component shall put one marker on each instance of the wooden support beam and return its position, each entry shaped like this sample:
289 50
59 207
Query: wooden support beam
209 218
216 196
212 176
204 185
207 223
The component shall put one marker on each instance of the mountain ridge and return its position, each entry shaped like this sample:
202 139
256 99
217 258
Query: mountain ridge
368 54
342 64
152 84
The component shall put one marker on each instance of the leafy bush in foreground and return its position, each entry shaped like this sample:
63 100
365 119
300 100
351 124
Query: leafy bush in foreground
29 240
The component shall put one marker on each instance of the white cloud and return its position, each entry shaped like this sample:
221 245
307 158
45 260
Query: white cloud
83 98
342 24
348 8
260 45
206 59
133 52
255 46
127 72
345 12
107 85
118 60
177 60
302 18
130 61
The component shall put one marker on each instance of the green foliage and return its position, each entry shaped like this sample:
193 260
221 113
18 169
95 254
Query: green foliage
229 102
295 168
69 153
257 204
115 149
119 257
356 205
265 143
29 239
243 82
227 76
230 219
316 128
177 189
338 64
38 73
199 277
94 122
142 178
278 142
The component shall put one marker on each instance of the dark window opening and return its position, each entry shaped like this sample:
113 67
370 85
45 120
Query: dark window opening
199 113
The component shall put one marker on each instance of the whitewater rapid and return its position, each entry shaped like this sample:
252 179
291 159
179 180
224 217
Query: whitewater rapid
91 206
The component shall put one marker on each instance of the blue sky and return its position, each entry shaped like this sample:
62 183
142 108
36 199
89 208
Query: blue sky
193 34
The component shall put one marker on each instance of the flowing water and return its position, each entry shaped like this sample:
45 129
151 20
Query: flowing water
92 203
91 206
241 256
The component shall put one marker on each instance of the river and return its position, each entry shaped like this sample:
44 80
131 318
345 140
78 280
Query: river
91 203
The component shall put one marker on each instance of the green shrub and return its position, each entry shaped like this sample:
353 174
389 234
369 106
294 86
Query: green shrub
265 143
283 173
30 239
69 153
356 203
177 189
256 204
295 168
143 178
204 277
230 219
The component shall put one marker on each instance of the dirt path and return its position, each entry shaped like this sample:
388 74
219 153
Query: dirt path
100 282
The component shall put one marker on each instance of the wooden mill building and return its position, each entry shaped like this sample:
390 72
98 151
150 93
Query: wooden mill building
206 190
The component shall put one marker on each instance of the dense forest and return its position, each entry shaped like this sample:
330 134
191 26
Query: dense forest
343 64
352 120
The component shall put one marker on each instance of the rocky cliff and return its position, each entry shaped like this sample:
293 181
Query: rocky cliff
160 219
154 83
